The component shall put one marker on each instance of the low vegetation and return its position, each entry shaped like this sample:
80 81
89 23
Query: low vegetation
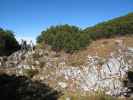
116 27
71 38
30 72
8 43
66 37
89 96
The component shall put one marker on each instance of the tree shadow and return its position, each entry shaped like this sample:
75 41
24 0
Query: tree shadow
22 88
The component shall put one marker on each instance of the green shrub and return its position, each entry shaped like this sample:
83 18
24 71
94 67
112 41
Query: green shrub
116 27
30 72
71 38
64 37
8 43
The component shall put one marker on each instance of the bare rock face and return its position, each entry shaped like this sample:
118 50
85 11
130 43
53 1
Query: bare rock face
97 74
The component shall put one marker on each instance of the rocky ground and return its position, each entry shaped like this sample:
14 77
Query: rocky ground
96 73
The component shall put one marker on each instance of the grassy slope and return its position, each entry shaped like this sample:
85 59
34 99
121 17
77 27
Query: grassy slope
119 26
102 48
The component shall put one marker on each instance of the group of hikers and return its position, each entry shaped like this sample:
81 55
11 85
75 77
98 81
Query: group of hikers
27 46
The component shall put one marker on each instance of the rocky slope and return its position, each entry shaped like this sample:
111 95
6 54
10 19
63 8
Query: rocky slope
95 74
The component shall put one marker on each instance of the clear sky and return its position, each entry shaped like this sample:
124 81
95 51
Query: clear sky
27 18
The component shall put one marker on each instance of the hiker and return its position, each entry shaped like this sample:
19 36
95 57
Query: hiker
23 45
32 47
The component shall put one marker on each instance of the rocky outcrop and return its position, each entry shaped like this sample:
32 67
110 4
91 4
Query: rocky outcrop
96 74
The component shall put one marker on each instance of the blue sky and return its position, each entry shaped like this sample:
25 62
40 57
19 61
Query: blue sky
27 18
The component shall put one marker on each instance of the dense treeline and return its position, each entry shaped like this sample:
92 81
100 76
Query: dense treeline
116 27
71 38
66 37
8 43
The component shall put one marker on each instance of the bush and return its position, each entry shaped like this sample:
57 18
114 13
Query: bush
8 43
116 27
71 38
30 72
66 37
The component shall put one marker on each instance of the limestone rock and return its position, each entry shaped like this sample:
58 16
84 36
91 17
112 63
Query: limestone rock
62 84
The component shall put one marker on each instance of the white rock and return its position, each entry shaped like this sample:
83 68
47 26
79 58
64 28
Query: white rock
62 85
37 62
130 49
41 78
68 98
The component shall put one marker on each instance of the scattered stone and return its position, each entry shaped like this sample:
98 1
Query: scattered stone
68 98
106 74
62 84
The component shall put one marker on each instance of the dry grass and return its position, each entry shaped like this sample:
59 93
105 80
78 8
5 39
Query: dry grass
88 96
101 48
104 47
